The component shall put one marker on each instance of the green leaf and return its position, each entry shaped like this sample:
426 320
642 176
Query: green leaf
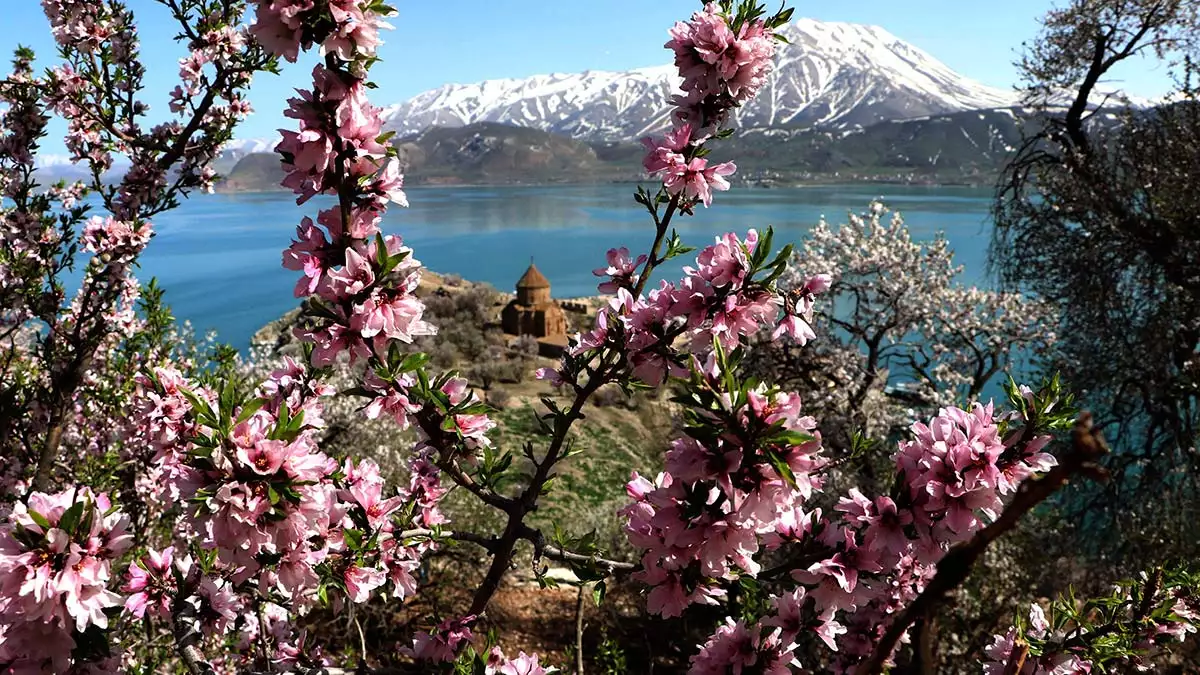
598 592
794 438
204 412
381 253
297 422
227 400
251 407
39 519
70 519
414 362
782 468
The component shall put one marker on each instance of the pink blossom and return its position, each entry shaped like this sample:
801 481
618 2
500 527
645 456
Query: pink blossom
696 180
443 644
361 581
524 664
621 270
264 458
662 155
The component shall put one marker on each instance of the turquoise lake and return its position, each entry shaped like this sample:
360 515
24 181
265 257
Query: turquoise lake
218 256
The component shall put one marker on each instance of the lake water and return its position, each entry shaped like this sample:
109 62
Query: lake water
218 256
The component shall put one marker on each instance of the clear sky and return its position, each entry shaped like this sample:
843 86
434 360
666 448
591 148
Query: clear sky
440 41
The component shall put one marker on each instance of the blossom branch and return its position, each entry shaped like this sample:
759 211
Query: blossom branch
1087 446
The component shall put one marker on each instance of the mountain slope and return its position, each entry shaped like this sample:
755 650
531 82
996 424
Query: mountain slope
956 145
831 75
496 153
483 153
965 146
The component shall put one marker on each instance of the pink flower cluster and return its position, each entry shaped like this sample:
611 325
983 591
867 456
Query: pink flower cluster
691 179
367 291
1003 649
56 557
267 498
368 304
284 27
81 30
738 648
621 271
716 299
338 145
954 472
115 240
443 644
525 664
1064 651
883 551
719 501
275 508
721 68
720 504
163 421
150 584
398 559
88 25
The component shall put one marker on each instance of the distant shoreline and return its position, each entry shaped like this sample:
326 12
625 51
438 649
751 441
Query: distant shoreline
756 185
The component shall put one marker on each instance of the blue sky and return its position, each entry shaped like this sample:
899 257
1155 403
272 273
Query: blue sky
436 42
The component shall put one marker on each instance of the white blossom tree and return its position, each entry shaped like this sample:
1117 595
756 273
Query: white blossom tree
900 335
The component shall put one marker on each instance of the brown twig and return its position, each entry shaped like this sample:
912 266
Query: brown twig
579 607
185 627
1016 658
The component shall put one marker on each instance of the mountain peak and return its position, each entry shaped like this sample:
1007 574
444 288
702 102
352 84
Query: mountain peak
833 74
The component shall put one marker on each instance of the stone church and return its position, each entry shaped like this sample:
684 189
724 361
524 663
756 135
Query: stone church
533 311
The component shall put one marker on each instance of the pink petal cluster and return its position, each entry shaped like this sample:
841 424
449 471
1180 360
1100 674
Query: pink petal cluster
56 558
717 63
524 664
444 642
706 516
621 271
273 507
397 559
954 472
113 239
740 648
1002 650
691 179
338 140
720 504
661 331
722 68
280 26
163 420
150 583
367 290
255 497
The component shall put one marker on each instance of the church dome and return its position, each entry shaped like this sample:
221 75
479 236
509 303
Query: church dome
533 278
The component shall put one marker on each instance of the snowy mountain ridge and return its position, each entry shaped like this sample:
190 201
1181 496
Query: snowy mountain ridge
830 75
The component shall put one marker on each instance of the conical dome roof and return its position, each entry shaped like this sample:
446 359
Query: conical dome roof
533 278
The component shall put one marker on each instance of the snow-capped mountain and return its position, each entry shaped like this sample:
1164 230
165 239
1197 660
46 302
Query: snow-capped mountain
240 147
233 151
830 75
